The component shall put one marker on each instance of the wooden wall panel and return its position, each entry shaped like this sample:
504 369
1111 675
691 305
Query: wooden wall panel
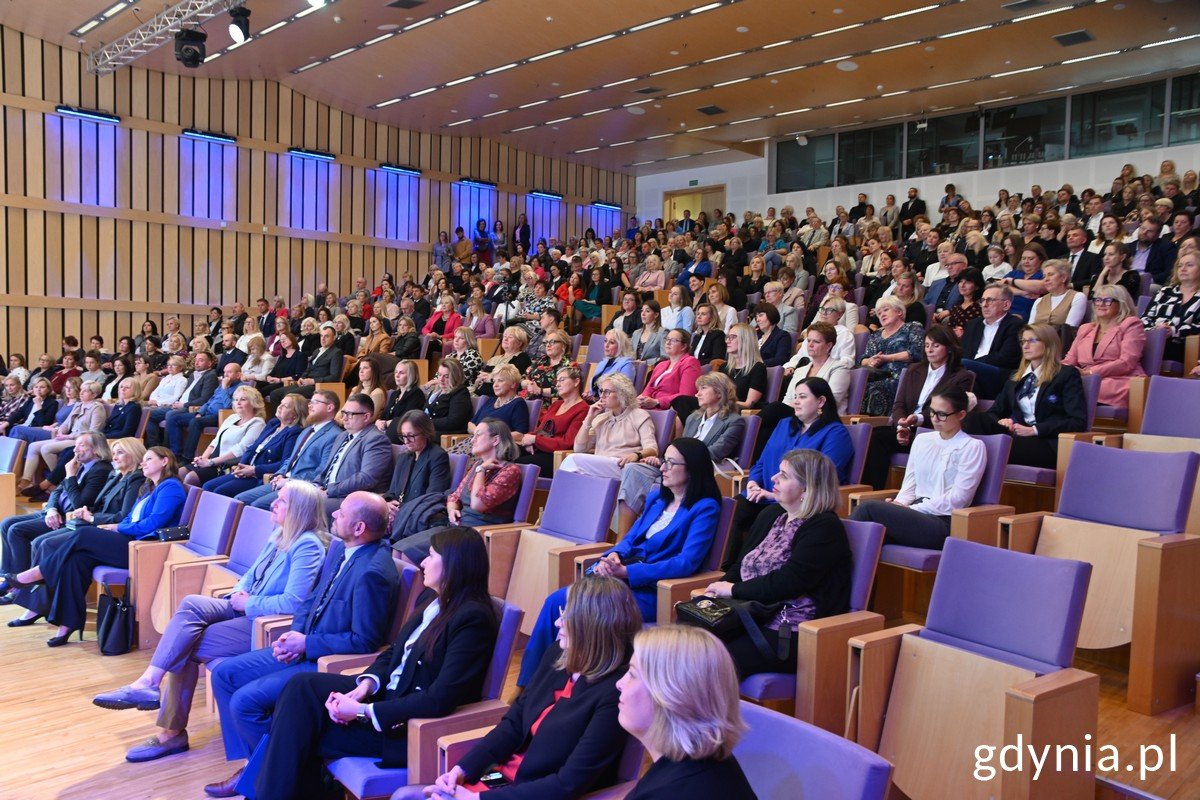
104 226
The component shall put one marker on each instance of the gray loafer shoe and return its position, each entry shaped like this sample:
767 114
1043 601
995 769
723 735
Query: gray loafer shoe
154 748
128 697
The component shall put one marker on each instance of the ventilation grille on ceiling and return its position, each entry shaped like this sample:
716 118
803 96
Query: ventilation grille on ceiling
648 90
711 111
1024 5
1074 38
406 3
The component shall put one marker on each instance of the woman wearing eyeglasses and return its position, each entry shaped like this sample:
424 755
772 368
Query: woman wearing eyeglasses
944 470
1110 346
1043 399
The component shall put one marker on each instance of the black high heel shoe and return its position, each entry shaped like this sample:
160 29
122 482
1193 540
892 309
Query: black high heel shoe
23 623
12 582
59 641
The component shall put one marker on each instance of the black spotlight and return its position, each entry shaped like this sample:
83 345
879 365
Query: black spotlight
239 24
189 47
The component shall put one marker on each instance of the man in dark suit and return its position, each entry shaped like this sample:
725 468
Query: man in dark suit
349 611
266 318
199 390
86 474
991 343
229 352
1085 266
909 210
308 456
360 459
325 367
687 224
239 318
1068 203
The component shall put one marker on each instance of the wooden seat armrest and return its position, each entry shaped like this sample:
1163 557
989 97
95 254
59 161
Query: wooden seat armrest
452 747
346 664
559 455
821 657
146 560
218 590
1108 439
188 578
1019 532
871 668
501 542
563 561
584 561
857 498
979 523
423 735
451 439
844 495
750 412
269 627
676 590
867 419
1060 707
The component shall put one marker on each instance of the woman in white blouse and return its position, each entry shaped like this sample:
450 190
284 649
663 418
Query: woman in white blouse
678 313
259 362
944 469
170 387
239 430
250 332
718 297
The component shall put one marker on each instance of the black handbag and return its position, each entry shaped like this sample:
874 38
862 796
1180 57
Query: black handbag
115 623
727 619
175 534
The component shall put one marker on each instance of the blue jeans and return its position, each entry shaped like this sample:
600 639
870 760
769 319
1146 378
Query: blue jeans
245 688
27 433
260 496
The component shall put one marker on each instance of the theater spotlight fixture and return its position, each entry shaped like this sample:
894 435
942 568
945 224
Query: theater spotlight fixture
239 24
189 47
802 140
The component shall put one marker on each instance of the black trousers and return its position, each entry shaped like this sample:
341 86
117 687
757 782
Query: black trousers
1029 451
68 571
749 660
18 534
879 455
302 734
544 460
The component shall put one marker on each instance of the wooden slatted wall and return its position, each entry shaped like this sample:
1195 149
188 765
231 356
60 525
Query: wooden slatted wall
102 226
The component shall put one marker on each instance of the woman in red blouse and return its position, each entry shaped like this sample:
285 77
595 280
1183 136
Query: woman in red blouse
558 425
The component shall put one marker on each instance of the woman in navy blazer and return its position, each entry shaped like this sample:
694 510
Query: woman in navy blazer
670 539
67 571
269 452
203 628
561 738
774 344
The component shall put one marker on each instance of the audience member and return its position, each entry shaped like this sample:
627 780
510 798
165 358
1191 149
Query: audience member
1111 345
267 454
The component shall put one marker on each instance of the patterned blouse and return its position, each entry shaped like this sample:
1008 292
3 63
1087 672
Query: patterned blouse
771 554
881 392
961 314
1168 307
472 363
543 373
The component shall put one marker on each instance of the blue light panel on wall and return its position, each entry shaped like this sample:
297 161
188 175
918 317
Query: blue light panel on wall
472 201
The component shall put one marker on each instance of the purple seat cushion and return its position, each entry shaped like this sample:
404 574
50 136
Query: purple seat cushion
900 460
362 778
916 558
1036 475
769 686
110 576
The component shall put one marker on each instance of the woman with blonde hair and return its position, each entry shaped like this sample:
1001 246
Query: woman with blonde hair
505 405
250 332
562 731
615 432
234 436
279 580
744 366
88 414
1043 398
689 735
513 343
259 363
1110 345
1175 307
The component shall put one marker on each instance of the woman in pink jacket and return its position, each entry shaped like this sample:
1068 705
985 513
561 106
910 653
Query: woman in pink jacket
674 376
443 322
1111 345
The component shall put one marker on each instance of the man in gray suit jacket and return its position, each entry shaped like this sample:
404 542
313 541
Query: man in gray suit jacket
360 460
309 454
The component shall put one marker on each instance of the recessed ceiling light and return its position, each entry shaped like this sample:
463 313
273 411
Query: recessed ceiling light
554 83
742 29
879 87
774 81
847 66
674 52
493 95
837 11
388 27
549 19
929 48
637 111
1119 7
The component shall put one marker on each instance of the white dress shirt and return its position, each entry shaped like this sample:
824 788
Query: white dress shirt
989 335
944 473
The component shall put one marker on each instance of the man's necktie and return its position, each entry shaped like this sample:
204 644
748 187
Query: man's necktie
331 470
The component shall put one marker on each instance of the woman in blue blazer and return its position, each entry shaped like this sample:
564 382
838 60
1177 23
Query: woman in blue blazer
670 539
204 628
67 572
269 452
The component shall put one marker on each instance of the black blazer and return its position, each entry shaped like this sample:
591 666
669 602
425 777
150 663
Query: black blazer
777 349
123 420
712 347
1086 269
1060 407
412 399
234 356
914 380
434 681
415 476
239 323
819 566
407 345
73 493
577 746
44 416
266 324
450 411
325 367
1005 352
703 779
117 497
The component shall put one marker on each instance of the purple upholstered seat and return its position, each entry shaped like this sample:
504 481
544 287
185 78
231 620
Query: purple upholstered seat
595 350
458 468
988 493
10 453
857 390
745 453
1020 609
579 507
359 775
786 759
860 438
1101 480
529 477
1171 406
1152 362
254 527
664 422
866 539
774 384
